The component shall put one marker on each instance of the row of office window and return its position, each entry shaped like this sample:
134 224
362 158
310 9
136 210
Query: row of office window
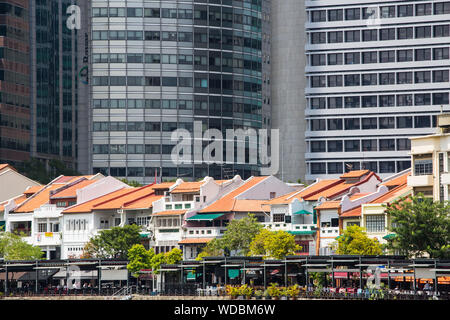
386 56
141 35
199 171
228 61
372 123
374 166
373 101
213 82
141 126
132 149
215 38
217 17
363 145
399 33
383 12
224 106
385 78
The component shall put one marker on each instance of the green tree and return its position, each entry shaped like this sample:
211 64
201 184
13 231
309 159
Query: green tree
213 248
240 233
354 241
37 170
421 225
139 258
13 247
113 243
273 244
174 256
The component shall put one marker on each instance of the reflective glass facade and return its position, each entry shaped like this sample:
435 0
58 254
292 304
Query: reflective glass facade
162 65
14 82
54 71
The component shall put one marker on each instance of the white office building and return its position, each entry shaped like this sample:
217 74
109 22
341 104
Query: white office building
377 73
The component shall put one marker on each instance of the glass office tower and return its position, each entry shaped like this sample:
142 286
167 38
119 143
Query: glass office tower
54 68
162 65
377 74
14 82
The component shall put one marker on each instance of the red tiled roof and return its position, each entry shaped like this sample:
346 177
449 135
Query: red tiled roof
170 213
329 205
355 212
195 240
227 202
354 174
397 181
88 206
71 192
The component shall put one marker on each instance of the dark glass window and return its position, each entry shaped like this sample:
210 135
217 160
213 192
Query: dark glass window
334 124
318 146
387 144
369 101
369 123
422 122
404 122
369 145
352 145
334 145
352 124
334 102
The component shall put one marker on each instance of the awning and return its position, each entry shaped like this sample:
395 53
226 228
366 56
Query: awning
43 274
77 274
302 212
274 272
191 276
111 275
205 217
144 235
302 233
233 273
11 275
195 241
389 236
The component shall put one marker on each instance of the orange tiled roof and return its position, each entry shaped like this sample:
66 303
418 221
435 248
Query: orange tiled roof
170 213
354 174
18 200
69 179
195 240
120 200
393 194
33 189
5 165
71 192
185 187
88 206
164 185
227 202
338 189
284 199
329 205
38 199
355 212
246 205
142 203
317 188
397 181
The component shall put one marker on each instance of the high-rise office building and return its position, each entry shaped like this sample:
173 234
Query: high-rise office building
288 85
377 74
158 66
54 85
14 82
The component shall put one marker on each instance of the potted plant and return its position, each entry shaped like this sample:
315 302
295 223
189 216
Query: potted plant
245 291
274 291
267 295
294 291
284 293
259 294
233 292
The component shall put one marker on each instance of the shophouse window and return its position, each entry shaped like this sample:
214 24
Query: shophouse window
375 223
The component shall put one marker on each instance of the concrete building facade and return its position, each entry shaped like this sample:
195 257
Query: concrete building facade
158 66
288 84
377 73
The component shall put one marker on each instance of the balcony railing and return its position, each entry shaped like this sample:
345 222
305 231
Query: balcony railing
276 226
199 232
